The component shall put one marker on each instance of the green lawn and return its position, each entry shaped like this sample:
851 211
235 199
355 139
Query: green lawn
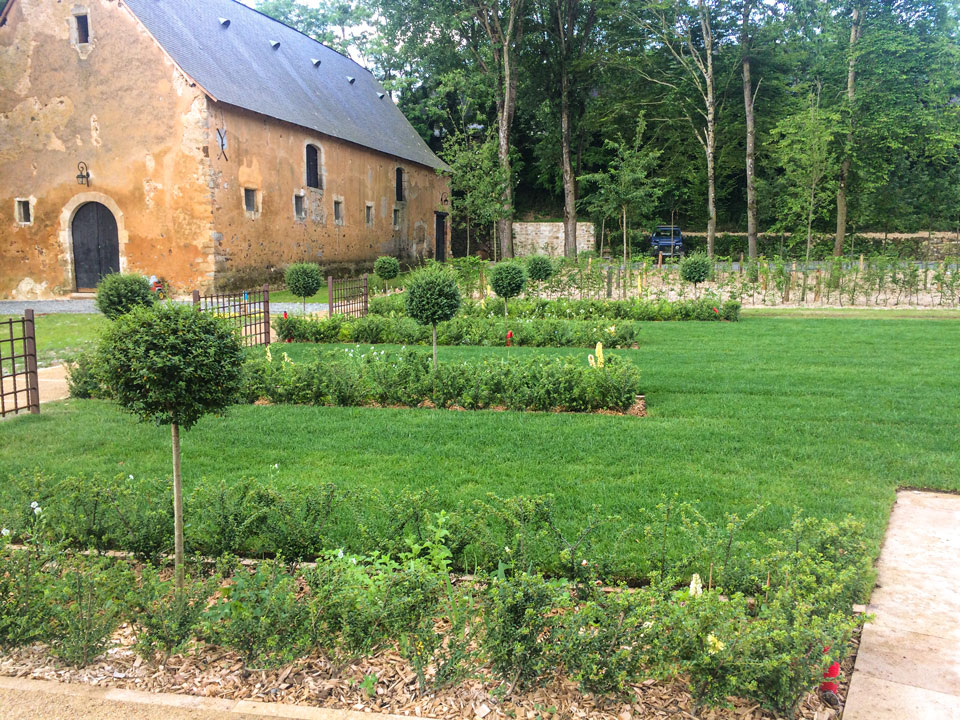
60 336
828 415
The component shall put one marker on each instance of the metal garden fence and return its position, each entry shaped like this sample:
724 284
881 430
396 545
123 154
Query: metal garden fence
248 310
349 296
19 384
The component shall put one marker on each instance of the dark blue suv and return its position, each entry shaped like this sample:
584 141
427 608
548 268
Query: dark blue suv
667 239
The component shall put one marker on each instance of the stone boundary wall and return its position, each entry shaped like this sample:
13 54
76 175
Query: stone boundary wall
546 238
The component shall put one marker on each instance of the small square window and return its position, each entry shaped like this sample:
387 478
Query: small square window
83 29
299 207
250 199
24 216
338 212
396 218
369 215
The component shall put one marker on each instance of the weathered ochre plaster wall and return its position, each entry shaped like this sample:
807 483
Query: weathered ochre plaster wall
119 105
270 156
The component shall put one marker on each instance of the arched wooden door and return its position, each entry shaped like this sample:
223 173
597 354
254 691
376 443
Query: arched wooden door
96 246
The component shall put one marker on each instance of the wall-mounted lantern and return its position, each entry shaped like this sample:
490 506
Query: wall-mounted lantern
444 200
83 177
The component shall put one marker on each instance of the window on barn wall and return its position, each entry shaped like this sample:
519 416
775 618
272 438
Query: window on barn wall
24 216
250 200
396 218
338 212
313 167
299 207
369 215
83 29
400 185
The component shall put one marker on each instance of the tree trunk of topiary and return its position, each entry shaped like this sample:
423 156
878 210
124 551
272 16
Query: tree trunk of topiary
177 507
434 347
504 308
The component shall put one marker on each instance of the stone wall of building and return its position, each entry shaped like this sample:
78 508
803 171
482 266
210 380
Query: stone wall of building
533 238
269 157
118 104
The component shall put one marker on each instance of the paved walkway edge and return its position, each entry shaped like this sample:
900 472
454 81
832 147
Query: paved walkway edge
908 664
241 708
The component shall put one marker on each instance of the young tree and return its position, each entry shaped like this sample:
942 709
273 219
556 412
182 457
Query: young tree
803 147
477 180
627 184
508 280
856 29
433 297
688 35
171 365
304 280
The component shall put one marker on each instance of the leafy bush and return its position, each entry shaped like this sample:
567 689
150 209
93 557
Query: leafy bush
83 381
23 613
304 280
696 268
168 618
539 268
352 377
520 627
258 615
86 607
508 280
119 293
386 267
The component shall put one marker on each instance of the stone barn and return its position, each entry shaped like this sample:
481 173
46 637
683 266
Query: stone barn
199 141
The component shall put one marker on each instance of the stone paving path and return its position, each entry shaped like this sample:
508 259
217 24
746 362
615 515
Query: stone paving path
908 666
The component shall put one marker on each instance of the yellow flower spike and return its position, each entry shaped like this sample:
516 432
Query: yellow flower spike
269 356
592 361
286 359
599 355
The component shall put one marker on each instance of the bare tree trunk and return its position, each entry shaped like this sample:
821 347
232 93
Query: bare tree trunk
623 292
855 29
569 181
748 100
434 347
503 152
177 507
810 208
711 143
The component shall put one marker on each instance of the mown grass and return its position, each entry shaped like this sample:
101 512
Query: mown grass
826 415
61 336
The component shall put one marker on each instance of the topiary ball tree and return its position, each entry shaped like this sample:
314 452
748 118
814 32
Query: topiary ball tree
432 297
171 365
386 267
304 280
696 268
508 280
539 268
119 293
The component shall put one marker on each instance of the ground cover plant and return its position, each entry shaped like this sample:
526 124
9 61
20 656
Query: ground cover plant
510 626
810 413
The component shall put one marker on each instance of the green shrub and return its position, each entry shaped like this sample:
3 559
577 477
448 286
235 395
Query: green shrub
86 607
119 293
168 618
696 268
83 381
521 627
352 377
259 615
386 267
433 297
508 280
304 280
24 615
539 268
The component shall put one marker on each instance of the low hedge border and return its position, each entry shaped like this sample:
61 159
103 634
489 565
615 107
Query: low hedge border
378 329
707 308
357 377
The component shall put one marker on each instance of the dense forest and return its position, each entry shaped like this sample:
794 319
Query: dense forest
800 117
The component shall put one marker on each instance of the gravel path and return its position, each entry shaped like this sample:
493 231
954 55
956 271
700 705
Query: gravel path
46 307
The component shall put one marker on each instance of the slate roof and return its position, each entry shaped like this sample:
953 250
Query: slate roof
240 63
